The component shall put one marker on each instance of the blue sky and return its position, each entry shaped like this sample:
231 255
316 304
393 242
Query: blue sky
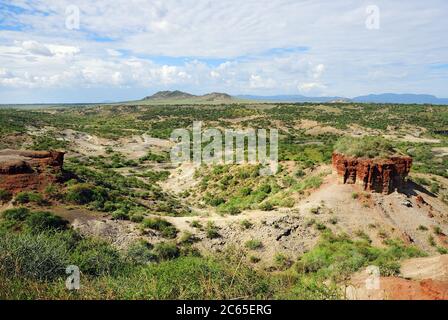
128 49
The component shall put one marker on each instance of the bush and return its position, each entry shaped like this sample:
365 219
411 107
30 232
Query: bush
29 197
158 224
16 214
120 214
95 257
5 196
337 256
137 218
368 146
266 206
166 250
246 224
45 221
229 209
253 244
140 253
36 256
82 193
212 231
196 224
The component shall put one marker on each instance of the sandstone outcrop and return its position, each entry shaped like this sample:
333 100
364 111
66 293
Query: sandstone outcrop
29 170
384 175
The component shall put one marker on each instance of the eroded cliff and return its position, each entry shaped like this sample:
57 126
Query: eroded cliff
384 175
29 170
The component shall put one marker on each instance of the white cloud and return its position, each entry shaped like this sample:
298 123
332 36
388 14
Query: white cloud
310 86
318 71
36 48
257 82
113 53
120 42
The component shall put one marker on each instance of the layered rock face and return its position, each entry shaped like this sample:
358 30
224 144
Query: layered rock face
378 175
29 170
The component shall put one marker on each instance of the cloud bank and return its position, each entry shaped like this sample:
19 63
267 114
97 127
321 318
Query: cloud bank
129 49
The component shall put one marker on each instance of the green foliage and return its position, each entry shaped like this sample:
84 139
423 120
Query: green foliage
266 206
82 193
45 221
29 197
337 256
253 244
166 228
246 224
166 250
16 214
196 224
367 146
5 196
48 142
96 257
212 231
140 253
42 256
156 157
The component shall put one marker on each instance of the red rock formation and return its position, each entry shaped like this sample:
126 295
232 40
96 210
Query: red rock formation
379 175
29 170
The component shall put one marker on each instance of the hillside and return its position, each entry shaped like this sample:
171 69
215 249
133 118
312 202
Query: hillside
121 200
180 97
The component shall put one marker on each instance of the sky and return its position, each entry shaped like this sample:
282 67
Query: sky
57 51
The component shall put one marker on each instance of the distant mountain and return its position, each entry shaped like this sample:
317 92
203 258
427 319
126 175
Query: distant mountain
372 98
214 96
293 98
173 96
401 98
176 97
169 95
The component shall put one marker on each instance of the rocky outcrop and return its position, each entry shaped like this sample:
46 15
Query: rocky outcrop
378 174
29 170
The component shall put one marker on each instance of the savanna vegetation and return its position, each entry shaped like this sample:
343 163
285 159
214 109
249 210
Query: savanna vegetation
36 245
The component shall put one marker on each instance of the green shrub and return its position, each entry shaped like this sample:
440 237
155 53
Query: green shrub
337 256
36 256
253 244
95 257
5 196
282 261
45 221
196 224
187 238
212 231
212 200
422 228
158 224
120 214
140 253
166 250
438 230
137 218
266 206
432 241
229 209
29 197
52 191
367 146
246 224
82 193
16 214
442 250
254 259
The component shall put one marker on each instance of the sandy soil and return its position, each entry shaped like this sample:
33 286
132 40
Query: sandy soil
420 279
